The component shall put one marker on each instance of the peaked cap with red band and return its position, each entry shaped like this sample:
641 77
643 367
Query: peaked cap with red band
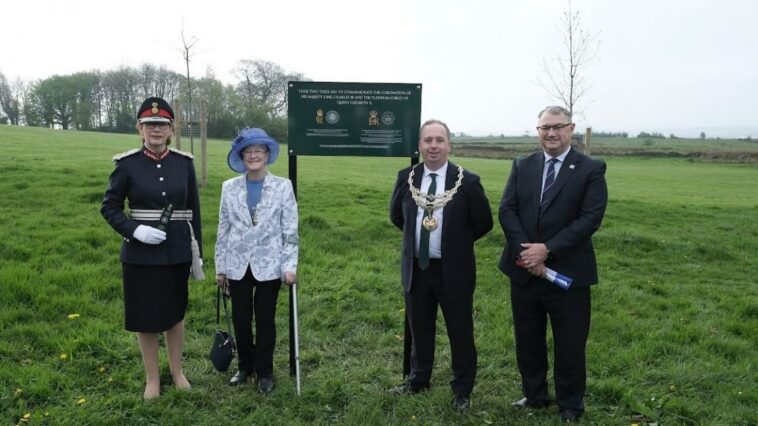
155 110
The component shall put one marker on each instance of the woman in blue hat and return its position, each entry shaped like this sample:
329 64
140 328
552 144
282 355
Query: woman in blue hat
256 249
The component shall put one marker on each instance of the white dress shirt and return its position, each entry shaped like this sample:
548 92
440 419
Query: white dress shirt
435 237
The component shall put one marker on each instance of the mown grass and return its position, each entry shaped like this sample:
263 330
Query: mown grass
675 318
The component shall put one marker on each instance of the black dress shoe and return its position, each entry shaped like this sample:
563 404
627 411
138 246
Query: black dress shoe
569 416
460 403
530 403
266 385
407 388
239 378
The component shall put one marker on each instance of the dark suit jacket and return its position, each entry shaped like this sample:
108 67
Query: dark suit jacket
465 219
574 209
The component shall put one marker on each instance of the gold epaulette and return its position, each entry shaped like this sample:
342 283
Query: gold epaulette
126 154
186 154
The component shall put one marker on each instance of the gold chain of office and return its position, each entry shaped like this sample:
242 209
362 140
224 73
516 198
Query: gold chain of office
431 202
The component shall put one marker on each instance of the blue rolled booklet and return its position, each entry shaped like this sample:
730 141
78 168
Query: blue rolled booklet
554 277
558 279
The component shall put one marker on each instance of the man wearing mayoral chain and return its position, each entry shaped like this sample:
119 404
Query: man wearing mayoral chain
441 209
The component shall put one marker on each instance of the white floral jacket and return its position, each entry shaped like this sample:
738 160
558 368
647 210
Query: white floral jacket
271 246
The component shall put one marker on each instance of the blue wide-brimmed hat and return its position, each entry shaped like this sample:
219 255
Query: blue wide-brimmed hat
247 137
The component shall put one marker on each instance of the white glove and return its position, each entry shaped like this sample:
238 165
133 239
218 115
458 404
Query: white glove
149 235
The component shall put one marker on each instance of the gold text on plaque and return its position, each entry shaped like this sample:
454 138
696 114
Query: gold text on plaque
319 116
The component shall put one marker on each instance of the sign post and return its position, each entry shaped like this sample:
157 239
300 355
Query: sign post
352 119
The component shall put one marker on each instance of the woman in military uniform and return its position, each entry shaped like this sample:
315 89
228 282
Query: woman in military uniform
256 249
163 219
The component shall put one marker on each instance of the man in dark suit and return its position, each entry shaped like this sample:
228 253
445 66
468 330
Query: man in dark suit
552 204
442 210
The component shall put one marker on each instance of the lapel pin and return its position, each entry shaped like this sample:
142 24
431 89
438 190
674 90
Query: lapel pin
571 166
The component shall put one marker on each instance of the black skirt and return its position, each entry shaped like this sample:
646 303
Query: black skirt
155 296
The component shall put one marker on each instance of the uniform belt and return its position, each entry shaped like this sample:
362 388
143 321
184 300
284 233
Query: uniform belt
141 214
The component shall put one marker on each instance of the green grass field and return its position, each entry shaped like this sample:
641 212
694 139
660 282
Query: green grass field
675 319
720 150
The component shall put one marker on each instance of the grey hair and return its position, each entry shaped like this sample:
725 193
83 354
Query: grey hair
435 121
555 110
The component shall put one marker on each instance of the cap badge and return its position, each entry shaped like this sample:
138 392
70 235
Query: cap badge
155 108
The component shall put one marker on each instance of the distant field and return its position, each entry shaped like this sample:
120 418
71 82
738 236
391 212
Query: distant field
674 335
719 150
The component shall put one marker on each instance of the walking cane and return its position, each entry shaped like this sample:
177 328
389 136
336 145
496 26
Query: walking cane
294 343
293 330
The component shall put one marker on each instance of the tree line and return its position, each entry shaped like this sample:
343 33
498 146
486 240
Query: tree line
108 100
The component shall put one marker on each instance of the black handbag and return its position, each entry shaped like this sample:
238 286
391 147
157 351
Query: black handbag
224 347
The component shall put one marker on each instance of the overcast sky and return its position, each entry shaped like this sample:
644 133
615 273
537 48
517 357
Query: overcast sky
680 66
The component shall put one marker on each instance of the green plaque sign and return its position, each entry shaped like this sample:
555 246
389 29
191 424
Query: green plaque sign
356 119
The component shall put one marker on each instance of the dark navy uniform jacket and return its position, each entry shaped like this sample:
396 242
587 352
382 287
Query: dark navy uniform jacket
152 184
